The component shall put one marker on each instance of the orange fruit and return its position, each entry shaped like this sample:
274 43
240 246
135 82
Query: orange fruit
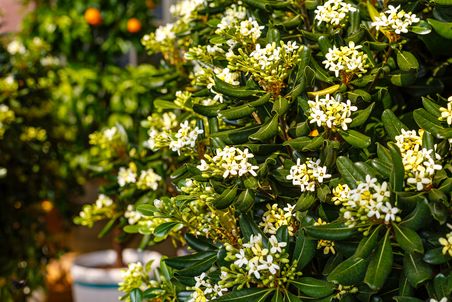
93 17
133 25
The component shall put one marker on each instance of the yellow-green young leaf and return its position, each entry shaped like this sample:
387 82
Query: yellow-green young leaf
398 170
407 61
329 90
368 243
443 2
355 138
362 116
330 231
226 198
304 250
313 287
380 265
415 269
349 173
408 239
267 131
245 295
444 29
349 272
392 124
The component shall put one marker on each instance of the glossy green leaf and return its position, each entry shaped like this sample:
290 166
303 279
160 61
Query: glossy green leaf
421 28
236 112
245 295
419 217
245 200
165 228
198 267
183 262
209 111
392 124
226 198
380 265
236 136
408 239
444 29
368 243
435 256
348 171
415 269
430 123
362 116
349 272
199 243
136 295
355 138
330 231
233 91
313 287
403 79
407 61
304 250
398 170
267 131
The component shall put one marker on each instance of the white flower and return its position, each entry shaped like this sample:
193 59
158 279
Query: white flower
126 176
241 259
148 180
307 175
333 12
110 133
103 201
165 33
395 20
346 58
16 47
331 113
185 137
269 265
389 212
132 216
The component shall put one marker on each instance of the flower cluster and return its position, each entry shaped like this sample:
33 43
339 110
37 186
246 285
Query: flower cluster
446 112
6 117
106 139
104 207
127 175
136 276
308 175
186 10
205 290
366 205
237 28
268 65
333 12
346 59
419 163
229 161
328 246
331 113
163 133
148 180
256 263
16 47
395 19
275 217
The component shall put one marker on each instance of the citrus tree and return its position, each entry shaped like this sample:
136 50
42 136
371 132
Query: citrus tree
310 150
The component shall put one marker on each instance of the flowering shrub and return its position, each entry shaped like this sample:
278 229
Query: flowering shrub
306 154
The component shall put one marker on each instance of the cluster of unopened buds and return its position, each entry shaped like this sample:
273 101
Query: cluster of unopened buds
331 113
396 20
308 174
419 163
229 161
275 217
328 246
106 138
333 12
347 59
366 205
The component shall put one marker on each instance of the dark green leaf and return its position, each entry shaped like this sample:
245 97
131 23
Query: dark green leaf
408 239
330 231
355 138
304 250
245 295
348 171
436 256
398 170
392 124
199 243
362 116
226 198
407 61
349 272
368 243
380 264
164 229
267 131
313 287
415 269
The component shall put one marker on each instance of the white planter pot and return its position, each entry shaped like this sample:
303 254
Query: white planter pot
92 284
